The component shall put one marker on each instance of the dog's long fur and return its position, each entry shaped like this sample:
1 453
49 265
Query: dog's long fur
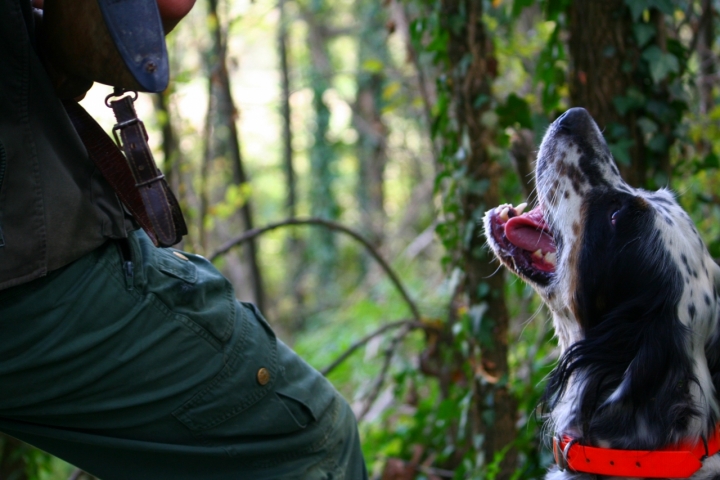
634 298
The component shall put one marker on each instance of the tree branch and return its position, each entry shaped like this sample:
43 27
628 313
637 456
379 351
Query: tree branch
389 326
389 353
255 232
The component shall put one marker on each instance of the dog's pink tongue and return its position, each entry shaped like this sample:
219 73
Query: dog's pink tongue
529 232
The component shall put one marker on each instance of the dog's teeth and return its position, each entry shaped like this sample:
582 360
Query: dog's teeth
520 208
537 254
504 214
551 258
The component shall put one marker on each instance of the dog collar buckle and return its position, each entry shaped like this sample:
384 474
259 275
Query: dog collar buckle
559 455
560 451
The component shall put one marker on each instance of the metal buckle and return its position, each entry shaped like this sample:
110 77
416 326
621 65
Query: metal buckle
118 93
561 457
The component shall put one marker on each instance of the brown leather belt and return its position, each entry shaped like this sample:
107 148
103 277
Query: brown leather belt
134 176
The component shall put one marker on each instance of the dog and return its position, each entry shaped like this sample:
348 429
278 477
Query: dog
633 293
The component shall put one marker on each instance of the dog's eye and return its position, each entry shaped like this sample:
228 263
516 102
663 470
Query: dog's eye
614 216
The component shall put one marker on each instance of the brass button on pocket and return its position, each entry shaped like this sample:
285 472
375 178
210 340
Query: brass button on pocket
263 376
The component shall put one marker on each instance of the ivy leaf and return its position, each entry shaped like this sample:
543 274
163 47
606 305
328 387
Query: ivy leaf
711 161
643 32
625 103
514 111
637 7
373 65
665 6
519 5
658 143
661 64
647 126
620 152
555 7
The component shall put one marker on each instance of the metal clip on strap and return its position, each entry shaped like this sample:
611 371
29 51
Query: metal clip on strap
162 208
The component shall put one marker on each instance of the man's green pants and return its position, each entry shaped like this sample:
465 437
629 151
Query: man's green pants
136 362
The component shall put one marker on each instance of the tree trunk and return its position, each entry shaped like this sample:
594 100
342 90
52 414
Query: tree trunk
368 121
706 39
599 46
323 203
294 246
208 153
291 199
473 67
605 66
228 114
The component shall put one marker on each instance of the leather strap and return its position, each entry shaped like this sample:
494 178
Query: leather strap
136 179
677 461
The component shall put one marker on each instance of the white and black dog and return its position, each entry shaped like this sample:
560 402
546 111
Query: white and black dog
634 297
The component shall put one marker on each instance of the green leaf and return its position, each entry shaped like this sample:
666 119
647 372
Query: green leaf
711 161
554 8
373 65
620 149
632 100
661 64
643 32
637 7
481 100
514 111
658 143
647 126
519 5
665 6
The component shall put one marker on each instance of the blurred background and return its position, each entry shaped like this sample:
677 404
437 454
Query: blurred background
369 137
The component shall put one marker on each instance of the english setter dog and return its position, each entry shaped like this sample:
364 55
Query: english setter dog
634 296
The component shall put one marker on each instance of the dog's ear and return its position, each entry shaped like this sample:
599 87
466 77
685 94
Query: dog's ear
712 348
716 273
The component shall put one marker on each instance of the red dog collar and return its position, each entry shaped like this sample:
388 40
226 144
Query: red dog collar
677 461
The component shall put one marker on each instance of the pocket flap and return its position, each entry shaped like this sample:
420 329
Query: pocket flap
240 384
170 263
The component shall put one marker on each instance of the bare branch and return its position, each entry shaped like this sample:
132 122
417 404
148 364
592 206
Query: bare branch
389 353
251 234
389 326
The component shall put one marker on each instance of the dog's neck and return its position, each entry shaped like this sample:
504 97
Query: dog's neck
616 420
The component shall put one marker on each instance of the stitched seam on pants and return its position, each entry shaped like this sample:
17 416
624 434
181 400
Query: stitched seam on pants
159 305
231 369
202 396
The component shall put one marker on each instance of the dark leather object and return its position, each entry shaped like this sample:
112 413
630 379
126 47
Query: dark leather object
114 167
160 203
115 42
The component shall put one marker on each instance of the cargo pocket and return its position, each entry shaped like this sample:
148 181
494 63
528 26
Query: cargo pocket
251 396
299 411
194 290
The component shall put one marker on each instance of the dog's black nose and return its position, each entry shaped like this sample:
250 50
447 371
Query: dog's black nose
575 121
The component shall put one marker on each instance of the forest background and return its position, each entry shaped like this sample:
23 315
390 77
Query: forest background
334 158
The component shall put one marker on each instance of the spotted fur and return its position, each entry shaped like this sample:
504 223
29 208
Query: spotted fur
634 299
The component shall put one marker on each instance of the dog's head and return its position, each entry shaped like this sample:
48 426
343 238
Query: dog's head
624 271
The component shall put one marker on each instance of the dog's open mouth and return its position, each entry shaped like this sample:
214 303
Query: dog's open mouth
524 241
